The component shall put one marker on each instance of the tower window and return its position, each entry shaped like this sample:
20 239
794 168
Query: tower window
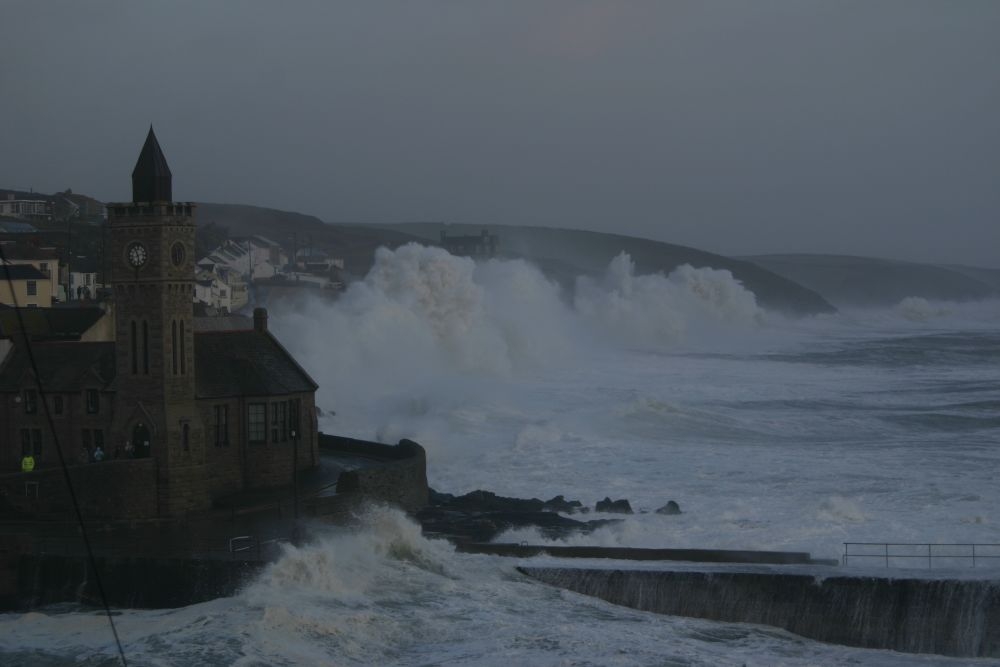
145 347
173 343
135 351
186 437
183 355
177 253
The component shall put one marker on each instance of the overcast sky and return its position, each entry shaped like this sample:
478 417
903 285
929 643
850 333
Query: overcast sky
869 127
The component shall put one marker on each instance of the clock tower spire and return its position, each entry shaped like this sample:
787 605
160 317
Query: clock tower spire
152 256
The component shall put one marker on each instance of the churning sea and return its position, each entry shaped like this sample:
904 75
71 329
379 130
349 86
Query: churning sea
771 432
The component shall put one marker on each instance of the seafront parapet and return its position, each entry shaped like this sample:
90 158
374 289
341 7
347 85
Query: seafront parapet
942 615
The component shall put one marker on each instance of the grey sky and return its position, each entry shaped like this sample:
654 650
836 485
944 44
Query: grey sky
867 127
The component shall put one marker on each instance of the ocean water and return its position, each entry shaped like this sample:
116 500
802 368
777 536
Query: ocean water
770 432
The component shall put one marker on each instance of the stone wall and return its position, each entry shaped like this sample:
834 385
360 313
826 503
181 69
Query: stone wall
399 479
123 489
948 617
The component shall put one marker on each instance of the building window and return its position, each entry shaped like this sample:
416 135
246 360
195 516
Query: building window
145 347
221 425
30 401
36 442
57 405
257 422
183 355
173 345
135 351
25 442
186 436
93 401
279 422
294 428
98 438
85 442
32 288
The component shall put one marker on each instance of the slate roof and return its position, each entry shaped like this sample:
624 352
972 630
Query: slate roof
222 323
228 363
246 363
151 178
64 323
21 272
62 367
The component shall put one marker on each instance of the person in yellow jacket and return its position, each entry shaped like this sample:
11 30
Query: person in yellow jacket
27 463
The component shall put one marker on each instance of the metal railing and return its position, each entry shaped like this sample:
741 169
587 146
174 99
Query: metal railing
889 551
251 545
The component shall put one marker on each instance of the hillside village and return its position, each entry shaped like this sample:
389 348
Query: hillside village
56 251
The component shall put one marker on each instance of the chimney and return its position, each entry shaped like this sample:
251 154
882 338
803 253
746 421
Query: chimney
260 320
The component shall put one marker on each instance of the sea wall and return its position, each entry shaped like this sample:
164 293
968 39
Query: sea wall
944 616
128 582
117 489
400 478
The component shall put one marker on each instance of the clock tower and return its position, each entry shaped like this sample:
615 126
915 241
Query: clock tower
152 278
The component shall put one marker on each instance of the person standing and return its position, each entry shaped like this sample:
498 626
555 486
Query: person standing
27 463
98 454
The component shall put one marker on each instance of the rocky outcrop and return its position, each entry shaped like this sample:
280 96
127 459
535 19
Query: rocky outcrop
480 516
621 506
670 508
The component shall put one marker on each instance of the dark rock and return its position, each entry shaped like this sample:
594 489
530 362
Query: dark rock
484 526
560 504
670 508
620 506
487 501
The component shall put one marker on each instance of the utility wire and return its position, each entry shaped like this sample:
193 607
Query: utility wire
62 459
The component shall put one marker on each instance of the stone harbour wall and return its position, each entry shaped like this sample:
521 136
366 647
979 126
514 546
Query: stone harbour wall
399 477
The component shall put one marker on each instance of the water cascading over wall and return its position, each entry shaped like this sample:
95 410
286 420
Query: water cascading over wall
944 616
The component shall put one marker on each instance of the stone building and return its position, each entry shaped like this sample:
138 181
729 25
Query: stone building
217 412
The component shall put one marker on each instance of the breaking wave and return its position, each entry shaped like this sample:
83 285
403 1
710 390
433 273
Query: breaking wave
421 310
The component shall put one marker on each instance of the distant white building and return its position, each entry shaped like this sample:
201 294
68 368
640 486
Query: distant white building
252 257
39 209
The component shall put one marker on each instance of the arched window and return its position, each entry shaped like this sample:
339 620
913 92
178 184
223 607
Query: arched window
183 355
145 347
134 342
173 343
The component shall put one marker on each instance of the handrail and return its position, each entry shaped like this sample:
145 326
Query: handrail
886 554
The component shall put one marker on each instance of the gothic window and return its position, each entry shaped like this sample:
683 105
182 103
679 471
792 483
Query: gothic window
177 253
36 442
173 343
279 422
294 428
145 347
183 355
134 341
93 402
30 401
221 425
257 422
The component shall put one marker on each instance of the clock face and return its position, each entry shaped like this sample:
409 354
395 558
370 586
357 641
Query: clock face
136 254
